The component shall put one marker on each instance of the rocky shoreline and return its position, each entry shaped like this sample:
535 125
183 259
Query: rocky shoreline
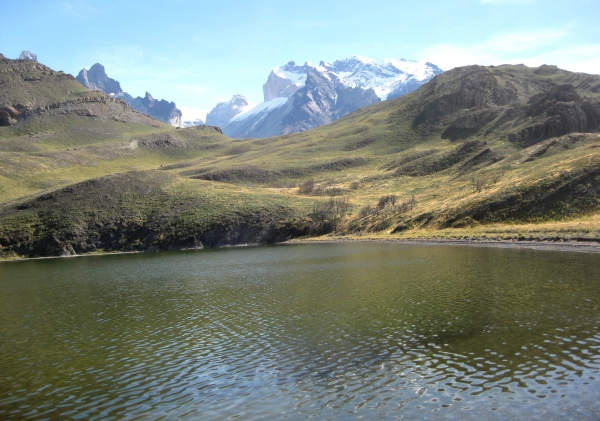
563 245
544 245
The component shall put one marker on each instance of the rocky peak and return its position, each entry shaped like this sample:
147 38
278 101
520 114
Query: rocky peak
238 101
26 55
149 99
225 111
312 104
284 80
96 79
320 94
159 109
389 78
97 72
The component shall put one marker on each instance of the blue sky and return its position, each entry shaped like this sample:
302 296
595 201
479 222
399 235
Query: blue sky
198 53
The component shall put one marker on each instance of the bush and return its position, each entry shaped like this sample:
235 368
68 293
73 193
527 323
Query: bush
385 200
326 215
307 187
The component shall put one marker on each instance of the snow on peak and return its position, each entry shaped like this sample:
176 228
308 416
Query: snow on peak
384 76
225 111
260 108
388 78
295 74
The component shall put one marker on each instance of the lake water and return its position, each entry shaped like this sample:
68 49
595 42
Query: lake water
324 331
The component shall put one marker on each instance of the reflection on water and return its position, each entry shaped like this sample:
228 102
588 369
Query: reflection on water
340 331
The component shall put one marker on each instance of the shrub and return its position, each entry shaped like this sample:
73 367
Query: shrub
306 187
385 200
326 215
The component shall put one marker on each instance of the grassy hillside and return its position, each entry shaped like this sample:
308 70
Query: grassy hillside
477 149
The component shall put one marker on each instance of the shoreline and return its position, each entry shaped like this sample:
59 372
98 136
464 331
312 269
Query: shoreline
571 246
544 245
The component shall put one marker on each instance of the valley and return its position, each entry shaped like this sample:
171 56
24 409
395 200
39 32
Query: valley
507 152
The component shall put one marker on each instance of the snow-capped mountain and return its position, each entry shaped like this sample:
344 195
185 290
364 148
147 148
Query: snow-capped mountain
298 98
225 111
283 81
389 78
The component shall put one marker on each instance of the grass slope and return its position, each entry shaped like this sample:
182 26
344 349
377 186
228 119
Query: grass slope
476 149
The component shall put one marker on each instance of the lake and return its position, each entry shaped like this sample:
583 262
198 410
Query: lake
327 331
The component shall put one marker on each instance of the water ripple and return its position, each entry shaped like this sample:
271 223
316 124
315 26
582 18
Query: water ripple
349 331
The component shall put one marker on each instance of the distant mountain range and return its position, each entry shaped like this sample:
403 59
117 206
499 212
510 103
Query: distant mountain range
296 97
299 98
96 79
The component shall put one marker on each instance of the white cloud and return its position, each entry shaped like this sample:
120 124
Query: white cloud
532 48
191 114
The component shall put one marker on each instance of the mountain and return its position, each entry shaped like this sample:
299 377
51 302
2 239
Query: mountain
26 55
299 98
96 79
225 111
500 153
159 109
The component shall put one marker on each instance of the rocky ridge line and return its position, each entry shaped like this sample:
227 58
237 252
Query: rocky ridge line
96 79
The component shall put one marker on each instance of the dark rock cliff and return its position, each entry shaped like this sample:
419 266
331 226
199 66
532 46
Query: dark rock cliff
556 113
96 79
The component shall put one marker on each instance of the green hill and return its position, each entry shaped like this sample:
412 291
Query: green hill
506 151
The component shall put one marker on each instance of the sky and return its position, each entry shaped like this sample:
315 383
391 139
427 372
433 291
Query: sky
199 53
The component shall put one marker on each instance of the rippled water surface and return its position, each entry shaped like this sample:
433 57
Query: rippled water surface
329 331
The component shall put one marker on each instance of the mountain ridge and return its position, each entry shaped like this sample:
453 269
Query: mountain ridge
507 152
344 85
96 79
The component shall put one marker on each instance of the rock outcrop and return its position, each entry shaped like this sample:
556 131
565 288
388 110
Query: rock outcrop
225 111
96 79
158 109
556 113
27 55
